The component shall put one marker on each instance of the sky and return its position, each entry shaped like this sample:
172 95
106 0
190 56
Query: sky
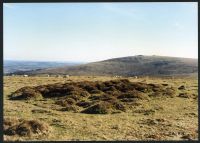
88 32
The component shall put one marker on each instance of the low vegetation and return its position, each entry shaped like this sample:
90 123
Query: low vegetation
21 127
100 108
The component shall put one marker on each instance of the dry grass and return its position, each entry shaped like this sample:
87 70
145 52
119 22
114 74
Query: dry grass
155 116
23 127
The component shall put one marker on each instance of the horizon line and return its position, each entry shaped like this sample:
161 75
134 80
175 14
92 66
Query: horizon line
69 61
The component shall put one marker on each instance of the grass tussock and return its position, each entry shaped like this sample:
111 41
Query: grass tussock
22 127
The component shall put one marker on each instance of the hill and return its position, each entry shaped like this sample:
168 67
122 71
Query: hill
129 66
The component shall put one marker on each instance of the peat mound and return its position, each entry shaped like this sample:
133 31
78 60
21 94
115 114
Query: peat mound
22 127
95 97
26 93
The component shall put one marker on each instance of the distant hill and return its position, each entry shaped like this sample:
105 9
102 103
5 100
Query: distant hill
130 66
11 66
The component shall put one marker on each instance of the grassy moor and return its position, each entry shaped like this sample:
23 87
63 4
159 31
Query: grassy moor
100 108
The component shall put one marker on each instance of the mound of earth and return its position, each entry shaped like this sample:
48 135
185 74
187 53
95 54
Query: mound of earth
95 97
22 127
26 93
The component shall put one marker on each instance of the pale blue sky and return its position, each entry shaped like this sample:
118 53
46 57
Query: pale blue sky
97 31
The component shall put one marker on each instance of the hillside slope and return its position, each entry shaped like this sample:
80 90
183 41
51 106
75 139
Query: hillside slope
130 66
